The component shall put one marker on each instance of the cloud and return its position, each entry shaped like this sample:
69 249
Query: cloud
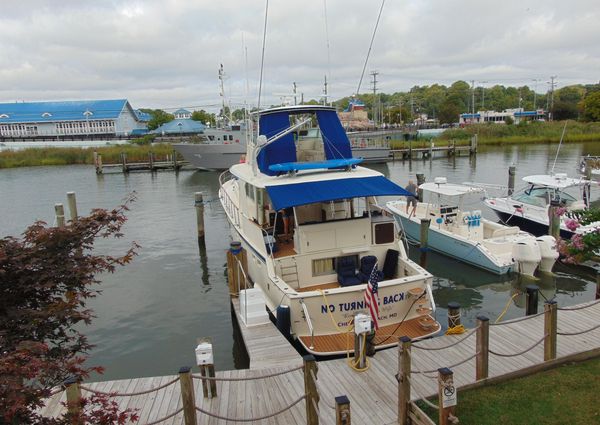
167 53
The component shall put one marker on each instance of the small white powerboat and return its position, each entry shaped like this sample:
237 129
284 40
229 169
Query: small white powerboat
467 236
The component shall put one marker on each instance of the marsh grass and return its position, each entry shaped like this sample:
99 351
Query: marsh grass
67 156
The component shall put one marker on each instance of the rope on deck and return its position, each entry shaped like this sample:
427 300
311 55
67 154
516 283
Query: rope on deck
449 367
446 346
115 394
578 332
520 352
517 320
271 415
248 378
581 307
165 418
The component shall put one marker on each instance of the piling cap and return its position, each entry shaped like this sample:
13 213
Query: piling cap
453 305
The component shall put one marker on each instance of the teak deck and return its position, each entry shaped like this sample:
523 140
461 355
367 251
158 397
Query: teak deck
372 394
384 337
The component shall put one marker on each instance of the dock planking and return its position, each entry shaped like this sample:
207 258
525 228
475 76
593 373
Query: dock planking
373 393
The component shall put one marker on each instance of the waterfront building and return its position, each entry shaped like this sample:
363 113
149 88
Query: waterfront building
183 124
516 114
62 119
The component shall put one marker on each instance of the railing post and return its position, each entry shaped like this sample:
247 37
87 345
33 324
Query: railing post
482 348
531 307
72 201
59 210
73 400
550 325
310 389
446 396
404 367
453 314
188 398
342 411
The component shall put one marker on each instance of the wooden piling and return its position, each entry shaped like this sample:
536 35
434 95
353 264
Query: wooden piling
588 169
73 392
531 307
446 396
72 201
98 162
175 165
199 204
59 210
598 285
512 171
424 230
453 314
151 160
360 354
404 367
342 411
554 219
310 389
473 146
188 399
420 181
482 348
550 329
124 162
234 275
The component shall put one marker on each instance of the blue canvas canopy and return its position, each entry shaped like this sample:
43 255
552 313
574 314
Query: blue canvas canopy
293 195
280 151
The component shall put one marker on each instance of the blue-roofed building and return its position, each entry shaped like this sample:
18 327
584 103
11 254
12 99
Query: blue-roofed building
183 124
516 114
71 118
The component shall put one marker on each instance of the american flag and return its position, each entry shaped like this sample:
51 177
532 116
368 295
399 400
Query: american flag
372 296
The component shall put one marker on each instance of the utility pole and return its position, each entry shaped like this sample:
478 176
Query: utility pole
552 85
473 99
374 74
535 80
482 95
294 91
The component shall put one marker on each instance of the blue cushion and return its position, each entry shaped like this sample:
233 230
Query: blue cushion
348 280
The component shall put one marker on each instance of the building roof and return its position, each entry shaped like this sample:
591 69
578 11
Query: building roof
180 126
70 110
182 111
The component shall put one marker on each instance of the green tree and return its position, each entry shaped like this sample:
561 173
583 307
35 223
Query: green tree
157 118
204 117
591 106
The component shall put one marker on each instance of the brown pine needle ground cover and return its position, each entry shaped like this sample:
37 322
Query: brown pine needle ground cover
567 395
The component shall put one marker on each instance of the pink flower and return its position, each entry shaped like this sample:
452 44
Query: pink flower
561 211
571 224
577 242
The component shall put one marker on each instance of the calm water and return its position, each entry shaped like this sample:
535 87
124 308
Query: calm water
152 311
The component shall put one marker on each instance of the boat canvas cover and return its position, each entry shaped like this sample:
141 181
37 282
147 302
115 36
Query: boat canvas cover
295 194
283 150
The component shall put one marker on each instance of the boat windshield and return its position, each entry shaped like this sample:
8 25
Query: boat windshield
541 196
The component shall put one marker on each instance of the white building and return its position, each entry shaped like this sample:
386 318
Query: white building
71 118
516 114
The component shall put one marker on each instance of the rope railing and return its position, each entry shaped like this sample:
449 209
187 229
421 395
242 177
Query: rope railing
520 319
581 307
157 421
520 352
446 346
115 394
424 400
249 378
271 415
423 372
578 332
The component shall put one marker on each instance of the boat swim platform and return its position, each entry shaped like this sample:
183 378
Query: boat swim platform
372 393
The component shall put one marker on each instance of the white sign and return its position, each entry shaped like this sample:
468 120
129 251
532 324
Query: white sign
449 396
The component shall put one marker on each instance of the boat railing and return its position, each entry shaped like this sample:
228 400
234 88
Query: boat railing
230 207
309 323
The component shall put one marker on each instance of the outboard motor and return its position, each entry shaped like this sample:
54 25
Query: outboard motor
548 251
526 254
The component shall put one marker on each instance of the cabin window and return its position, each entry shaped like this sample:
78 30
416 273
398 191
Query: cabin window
249 191
323 266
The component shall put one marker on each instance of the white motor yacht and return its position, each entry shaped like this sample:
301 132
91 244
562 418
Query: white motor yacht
528 208
467 236
337 236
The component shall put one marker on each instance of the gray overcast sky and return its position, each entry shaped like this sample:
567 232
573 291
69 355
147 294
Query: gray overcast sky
166 53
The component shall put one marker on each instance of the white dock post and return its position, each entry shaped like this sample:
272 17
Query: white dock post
59 210
72 201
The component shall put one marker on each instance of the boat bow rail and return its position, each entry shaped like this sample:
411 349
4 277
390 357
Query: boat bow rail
229 205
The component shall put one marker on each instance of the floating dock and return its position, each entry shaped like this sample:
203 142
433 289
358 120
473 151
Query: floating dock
171 162
516 347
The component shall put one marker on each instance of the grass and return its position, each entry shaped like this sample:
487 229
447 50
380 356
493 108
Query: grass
66 156
565 395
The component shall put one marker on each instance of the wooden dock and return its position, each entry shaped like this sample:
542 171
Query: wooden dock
171 162
266 346
514 346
